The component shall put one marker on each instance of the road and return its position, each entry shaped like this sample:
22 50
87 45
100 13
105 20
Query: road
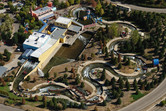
8 108
147 100
134 7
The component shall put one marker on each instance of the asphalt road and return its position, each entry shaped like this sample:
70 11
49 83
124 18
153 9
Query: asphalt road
147 100
8 108
134 7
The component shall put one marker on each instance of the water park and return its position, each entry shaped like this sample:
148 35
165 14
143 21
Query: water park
83 60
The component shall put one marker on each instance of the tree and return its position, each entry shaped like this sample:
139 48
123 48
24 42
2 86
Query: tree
45 104
112 55
77 1
34 79
82 85
128 61
66 69
113 81
92 55
82 105
104 103
119 101
137 92
124 59
23 101
127 85
67 4
1 56
77 80
120 66
94 3
103 75
135 84
95 109
36 98
119 58
71 2
135 37
113 30
85 57
98 7
55 74
107 82
30 97
28 78
44 98
101 11
51 104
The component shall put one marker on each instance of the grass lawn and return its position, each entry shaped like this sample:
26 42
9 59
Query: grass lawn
136 97
53 62
6 89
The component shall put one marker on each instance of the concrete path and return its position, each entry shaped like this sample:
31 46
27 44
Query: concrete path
13 63
8 108
146 9
148 100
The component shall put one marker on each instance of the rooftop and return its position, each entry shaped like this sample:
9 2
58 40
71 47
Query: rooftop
63 20
2 70
37 39
41 10
58 33
44 48
74 28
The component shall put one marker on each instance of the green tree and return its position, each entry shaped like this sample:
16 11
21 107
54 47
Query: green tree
98 7
128 62
103 75
67 4
71 2
101 12
135 37
28 78
119 101
120 66
77 1
113 30
104 103
82 85
107 82
1 56
127 84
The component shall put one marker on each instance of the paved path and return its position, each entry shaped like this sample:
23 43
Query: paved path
13 63
134 7
8 108
147 100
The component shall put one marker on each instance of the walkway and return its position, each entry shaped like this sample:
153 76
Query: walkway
8 108
147 100
146 9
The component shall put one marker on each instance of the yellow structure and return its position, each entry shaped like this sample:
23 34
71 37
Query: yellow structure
63 22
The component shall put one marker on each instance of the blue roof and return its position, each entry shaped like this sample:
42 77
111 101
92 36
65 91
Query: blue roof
43 27
155 61
2 70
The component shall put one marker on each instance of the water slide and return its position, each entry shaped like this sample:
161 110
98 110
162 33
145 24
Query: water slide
43 27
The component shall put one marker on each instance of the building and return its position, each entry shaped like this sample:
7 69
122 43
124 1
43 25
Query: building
35 41
45 12
2 70
44 45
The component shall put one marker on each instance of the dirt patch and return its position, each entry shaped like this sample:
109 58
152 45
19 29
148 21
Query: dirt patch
30 108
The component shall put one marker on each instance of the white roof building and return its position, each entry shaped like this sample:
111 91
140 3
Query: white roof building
63 20
37 53
35 41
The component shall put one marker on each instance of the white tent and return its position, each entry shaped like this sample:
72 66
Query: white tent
40 72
